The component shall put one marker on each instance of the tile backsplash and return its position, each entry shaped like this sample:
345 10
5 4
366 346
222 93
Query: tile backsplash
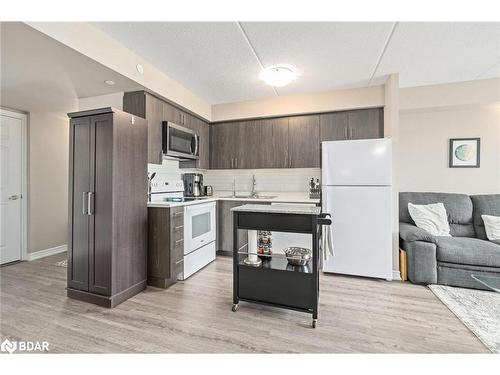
268 180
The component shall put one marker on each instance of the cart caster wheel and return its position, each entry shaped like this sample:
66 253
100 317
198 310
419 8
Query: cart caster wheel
314 323
235 307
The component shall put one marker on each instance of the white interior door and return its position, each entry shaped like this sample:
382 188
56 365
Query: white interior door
11 153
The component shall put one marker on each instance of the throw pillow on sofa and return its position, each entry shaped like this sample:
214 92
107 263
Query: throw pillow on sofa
492 227
431 218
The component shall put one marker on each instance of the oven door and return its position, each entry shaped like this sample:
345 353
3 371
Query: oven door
180 142
199 226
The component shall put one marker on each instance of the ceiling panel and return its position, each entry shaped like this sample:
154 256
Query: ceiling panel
211 59
431 53
329 55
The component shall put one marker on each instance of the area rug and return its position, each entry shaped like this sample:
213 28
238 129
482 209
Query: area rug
62 263
479 310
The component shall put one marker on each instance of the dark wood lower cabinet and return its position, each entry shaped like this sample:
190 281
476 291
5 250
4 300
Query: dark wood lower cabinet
107 206
224 243
165 245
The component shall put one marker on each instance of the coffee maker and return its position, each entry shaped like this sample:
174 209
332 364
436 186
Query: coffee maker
193 185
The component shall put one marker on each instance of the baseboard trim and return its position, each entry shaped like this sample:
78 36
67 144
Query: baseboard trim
396 275
47 252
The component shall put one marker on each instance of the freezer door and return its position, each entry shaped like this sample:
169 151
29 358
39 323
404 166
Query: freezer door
357 162
361 230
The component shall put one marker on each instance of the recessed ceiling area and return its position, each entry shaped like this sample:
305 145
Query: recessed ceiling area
38 71
221 61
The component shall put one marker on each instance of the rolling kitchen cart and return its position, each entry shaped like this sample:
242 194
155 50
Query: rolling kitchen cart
273 281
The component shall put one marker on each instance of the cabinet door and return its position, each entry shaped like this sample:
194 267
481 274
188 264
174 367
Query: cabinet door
204 133
303 142
366 123
101 221
79 186
334 126
245 144
171 113
225 226
222 143
271 139
154 115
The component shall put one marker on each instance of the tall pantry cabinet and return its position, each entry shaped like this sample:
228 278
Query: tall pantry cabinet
107 244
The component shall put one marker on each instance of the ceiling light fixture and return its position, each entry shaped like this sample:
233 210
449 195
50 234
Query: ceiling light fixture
109 82
278 75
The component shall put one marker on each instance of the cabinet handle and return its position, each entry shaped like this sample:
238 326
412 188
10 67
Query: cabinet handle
161 156
352 132
345 132
179 227
290 162
179 241
178 213
236 162
179 261
90 203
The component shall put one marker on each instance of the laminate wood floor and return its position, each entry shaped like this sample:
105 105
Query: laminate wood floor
194 316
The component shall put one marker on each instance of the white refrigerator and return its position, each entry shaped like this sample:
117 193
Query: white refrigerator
357 179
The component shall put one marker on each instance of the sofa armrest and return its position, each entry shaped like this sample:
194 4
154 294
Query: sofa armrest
411 233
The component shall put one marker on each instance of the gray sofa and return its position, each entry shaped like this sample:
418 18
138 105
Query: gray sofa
450 260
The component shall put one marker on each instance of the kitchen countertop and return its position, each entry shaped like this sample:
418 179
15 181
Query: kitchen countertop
278 197
300 209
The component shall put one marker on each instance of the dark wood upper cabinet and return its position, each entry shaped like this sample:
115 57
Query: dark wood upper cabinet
107 206
356 124
156 111
366 123
303 142
334 126
222 137
271 143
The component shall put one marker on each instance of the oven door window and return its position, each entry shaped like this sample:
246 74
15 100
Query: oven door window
180 141
200 224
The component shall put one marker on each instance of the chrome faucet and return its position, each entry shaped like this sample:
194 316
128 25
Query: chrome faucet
234 187
254 194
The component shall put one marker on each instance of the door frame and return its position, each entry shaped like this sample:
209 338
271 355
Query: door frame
24 117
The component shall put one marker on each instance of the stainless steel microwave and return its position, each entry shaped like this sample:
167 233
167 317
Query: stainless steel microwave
179 142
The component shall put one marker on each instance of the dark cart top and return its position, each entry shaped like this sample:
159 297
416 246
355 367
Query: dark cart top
295 209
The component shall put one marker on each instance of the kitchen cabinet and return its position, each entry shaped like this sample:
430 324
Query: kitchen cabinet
224 140
366 123
224 242
165 245
107 206
303 142
156 110
356 124
270 144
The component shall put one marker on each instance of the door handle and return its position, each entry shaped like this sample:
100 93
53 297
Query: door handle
14 197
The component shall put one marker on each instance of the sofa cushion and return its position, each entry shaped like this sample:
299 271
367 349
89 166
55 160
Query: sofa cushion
484 205
458 208
471 251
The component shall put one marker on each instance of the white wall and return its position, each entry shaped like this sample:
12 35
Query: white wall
423 143
110 100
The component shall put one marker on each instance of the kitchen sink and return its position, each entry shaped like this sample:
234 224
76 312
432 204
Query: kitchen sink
250 197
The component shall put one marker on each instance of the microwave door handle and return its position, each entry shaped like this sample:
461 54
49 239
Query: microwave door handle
197 144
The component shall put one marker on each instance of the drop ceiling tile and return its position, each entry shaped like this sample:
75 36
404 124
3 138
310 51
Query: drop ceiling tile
427 53
211 59
328 55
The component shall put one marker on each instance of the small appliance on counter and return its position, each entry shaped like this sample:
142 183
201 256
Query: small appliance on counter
209 190
193 185
314 189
